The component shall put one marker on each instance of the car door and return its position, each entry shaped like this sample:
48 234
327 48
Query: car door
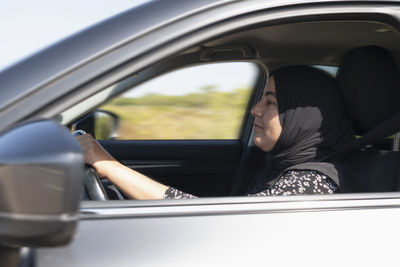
284 231
350 229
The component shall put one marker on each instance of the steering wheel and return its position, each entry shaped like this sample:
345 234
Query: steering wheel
93 186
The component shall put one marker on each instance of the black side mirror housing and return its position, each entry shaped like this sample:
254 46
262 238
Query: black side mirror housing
41 174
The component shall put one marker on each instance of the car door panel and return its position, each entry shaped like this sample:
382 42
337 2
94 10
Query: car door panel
200 167
287 231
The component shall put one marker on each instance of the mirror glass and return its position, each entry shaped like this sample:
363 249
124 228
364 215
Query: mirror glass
105 125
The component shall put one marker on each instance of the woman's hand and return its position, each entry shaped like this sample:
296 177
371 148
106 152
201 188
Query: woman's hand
96 155
133 183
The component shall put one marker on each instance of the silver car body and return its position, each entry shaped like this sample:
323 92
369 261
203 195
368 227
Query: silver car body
338 230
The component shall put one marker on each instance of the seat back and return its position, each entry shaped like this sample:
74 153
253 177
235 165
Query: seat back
370 81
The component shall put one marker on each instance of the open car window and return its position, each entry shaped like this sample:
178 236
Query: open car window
152 110
200 102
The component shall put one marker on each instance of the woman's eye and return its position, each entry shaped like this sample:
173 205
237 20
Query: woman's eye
268 102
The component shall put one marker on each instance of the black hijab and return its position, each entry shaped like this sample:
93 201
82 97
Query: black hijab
314 125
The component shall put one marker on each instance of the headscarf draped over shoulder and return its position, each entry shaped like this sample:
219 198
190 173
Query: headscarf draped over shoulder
314 125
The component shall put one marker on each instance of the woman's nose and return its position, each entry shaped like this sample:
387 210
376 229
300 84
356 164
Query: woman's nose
255 110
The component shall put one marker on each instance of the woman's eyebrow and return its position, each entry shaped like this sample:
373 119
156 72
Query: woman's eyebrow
267 93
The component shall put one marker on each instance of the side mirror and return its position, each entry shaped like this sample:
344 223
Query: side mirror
101 124
41 181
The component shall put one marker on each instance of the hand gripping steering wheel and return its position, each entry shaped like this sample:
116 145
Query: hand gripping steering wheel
93 186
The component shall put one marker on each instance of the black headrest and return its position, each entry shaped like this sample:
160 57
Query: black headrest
370 81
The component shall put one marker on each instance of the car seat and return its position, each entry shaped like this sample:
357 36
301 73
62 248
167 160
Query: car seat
370 81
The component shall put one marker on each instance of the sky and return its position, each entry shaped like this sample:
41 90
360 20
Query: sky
27 26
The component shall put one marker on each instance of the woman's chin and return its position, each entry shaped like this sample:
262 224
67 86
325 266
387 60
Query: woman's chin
262 145
258 142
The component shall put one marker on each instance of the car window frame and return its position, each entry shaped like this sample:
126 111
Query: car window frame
74 88
243 130
360 195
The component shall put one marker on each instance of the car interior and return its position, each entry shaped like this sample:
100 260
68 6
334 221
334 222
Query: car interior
366 55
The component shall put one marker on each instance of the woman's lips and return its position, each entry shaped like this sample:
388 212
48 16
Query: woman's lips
256 126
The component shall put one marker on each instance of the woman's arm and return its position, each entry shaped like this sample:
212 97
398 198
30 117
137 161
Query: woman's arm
132 183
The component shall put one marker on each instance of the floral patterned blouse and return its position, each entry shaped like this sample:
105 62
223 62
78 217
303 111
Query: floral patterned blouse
292 182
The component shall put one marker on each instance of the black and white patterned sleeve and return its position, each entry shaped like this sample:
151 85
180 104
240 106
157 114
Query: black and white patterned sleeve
295 182
173 193
292 182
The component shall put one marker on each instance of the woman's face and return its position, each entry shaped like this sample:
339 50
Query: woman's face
266 126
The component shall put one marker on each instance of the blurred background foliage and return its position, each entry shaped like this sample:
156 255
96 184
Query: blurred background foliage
209 114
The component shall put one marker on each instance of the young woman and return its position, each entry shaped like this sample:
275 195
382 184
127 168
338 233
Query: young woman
300 121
